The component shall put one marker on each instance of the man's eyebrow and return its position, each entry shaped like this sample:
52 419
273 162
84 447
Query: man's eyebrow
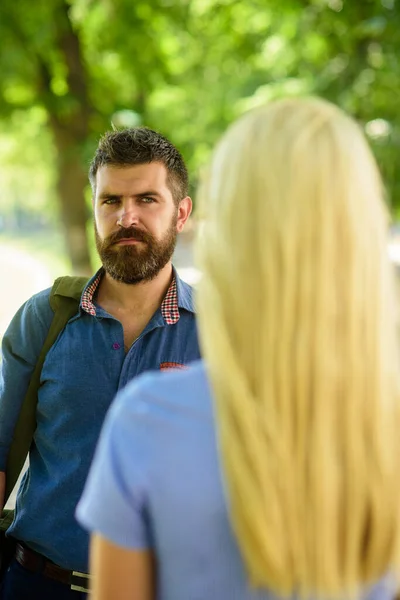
148 193
108 195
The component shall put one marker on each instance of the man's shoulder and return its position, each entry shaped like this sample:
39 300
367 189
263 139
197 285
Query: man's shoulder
65 285
31 322
40 298
38 304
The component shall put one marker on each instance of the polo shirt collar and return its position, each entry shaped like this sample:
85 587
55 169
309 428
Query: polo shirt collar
179 295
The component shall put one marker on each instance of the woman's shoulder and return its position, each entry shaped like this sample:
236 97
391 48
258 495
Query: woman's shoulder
183 394
168 391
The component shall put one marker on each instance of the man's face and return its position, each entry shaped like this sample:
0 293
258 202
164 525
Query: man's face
136 221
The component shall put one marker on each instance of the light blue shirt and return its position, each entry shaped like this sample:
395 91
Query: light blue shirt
156 483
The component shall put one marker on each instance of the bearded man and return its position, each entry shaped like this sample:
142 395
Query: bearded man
135 315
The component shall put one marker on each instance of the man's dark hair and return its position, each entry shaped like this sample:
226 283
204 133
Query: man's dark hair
137 146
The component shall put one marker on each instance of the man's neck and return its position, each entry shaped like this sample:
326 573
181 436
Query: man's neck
146 296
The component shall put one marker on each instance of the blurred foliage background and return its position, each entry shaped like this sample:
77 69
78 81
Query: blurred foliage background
72 68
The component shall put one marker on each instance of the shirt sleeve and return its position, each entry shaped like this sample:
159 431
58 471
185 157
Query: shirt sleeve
385 589
21 346
115 499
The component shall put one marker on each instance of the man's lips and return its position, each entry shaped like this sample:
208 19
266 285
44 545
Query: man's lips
128 242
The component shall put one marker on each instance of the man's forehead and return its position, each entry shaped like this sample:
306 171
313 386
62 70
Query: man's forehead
154 174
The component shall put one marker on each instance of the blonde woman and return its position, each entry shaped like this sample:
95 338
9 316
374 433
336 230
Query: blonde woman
273 471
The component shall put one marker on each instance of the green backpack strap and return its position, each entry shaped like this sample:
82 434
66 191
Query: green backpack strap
64 300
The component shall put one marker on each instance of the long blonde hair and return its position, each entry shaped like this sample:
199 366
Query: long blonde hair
298 327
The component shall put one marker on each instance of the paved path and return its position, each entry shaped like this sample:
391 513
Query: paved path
21 275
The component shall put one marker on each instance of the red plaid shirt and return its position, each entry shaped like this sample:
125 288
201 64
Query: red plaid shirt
169 306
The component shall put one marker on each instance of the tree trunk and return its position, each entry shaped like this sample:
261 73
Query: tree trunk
71 183
69 119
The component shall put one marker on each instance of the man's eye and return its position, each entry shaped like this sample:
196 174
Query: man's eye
147 200
111 201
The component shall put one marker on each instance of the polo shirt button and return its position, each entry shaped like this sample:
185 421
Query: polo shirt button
116 346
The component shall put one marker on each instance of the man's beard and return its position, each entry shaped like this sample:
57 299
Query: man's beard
134 263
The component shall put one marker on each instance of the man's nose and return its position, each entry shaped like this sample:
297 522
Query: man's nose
128 217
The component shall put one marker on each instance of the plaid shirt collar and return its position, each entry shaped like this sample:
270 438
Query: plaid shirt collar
169 306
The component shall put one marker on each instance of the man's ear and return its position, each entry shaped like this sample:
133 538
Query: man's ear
184 209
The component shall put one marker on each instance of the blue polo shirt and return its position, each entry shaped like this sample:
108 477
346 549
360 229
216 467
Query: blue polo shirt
83 371
158 466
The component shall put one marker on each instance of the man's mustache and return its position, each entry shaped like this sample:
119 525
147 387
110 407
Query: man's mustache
128 233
